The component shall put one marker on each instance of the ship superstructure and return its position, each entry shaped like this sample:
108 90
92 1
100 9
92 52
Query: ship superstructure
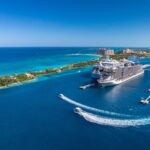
110 72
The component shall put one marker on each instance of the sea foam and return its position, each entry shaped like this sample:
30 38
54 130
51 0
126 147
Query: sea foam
111 121
92 108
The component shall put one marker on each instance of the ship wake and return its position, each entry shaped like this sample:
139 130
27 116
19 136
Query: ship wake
97 119
63 97
146 66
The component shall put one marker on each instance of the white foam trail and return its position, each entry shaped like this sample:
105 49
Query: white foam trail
146 65
112 122
91 108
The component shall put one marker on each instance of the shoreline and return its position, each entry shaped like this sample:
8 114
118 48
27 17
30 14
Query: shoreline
18 84
28 77
8 81
78 54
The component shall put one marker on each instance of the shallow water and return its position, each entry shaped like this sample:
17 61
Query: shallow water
21 60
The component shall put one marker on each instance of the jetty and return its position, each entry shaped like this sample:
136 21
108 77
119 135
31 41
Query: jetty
87 86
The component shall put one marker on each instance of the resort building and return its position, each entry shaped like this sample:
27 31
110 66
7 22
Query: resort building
105 52
128 51
29 75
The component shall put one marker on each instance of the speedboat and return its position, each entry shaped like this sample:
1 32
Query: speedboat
83 87
61 95
144 101
77 110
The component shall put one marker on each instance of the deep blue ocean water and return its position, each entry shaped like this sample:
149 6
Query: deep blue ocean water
33 117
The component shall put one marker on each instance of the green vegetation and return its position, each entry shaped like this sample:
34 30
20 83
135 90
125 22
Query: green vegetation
23 77
121 56
7 80
83 64
14 79
65 68
19 78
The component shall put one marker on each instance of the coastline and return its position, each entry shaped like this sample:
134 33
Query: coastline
18 84
77 54
33 76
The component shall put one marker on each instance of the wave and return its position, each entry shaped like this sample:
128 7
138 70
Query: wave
111 121
81 54
91 108
74 54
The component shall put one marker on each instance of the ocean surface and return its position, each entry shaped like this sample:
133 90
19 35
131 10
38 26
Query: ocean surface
19 60
33 117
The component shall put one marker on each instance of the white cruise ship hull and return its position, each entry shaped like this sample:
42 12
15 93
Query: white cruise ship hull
116 82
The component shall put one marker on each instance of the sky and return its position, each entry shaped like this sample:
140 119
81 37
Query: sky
110 23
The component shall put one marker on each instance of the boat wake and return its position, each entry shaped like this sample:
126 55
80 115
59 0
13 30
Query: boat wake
146 66
63 97
101 120
111 121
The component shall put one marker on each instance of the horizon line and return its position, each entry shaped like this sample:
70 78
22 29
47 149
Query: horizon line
74 46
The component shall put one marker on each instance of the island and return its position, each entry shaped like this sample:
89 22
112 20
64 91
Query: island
11 80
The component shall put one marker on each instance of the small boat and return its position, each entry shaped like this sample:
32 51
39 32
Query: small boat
148 90
60 95
145 101
83 87
77 110
86 86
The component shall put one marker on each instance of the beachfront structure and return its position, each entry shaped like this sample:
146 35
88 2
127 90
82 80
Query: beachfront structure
29 75
128 51
105 52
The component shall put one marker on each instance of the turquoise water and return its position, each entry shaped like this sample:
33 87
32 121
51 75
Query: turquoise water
41 62
33 117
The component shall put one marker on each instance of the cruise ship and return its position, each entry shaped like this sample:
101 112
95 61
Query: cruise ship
109 72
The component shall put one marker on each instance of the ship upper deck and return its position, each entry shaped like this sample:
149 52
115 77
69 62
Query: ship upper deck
112 64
